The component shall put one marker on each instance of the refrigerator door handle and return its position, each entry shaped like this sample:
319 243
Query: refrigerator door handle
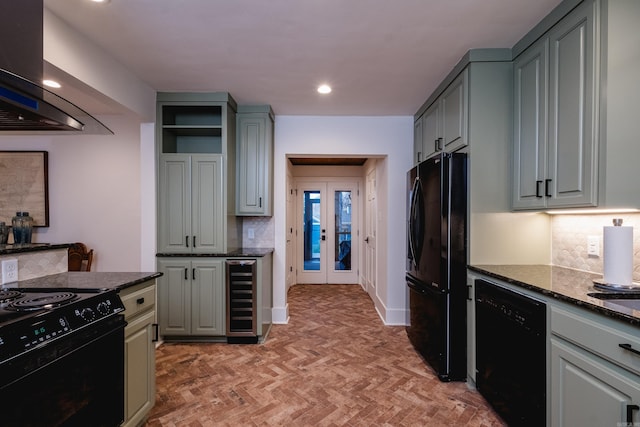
415 192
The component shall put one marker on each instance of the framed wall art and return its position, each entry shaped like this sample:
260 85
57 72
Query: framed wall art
24 186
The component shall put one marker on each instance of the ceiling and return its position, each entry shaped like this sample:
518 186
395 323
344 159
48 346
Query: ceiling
382 57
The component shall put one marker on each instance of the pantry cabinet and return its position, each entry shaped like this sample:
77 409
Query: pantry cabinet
190 218
139 349
254 180
191 297
555 151
196 137
444 124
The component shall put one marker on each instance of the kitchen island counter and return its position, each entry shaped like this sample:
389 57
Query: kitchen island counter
86 280
565 284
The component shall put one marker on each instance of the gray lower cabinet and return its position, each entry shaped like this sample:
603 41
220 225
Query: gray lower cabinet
139 348
191 214
254 157
594 381
555 146
191 297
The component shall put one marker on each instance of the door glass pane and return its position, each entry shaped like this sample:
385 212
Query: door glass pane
311 230
343 230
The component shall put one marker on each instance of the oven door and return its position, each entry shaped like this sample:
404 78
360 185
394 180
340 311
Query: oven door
77 380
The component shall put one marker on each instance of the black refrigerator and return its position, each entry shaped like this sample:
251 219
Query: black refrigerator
437 263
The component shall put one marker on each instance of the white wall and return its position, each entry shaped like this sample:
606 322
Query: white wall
94 191
390 137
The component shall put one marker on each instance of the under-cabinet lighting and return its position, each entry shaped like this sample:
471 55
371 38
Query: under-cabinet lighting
591 211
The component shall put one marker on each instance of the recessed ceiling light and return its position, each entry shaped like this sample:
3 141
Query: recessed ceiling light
324 89
51 83
101 1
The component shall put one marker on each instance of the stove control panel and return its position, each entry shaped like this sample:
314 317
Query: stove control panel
36 328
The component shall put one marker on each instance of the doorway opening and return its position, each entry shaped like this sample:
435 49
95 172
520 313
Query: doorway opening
330 235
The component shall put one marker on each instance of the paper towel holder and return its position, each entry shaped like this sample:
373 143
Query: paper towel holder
602 285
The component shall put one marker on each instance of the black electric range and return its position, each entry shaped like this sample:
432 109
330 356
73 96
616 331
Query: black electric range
32 317
61 357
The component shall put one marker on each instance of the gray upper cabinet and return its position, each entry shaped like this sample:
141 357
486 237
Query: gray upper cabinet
444 124
555 146
454 108
254 157
530 115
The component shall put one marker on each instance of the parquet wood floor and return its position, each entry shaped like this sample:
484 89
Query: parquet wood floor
333 364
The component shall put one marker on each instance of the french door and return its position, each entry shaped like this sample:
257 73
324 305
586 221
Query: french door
327 232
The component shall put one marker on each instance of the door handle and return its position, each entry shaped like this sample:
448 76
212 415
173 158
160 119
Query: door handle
367 240
630 409
629 348
547 182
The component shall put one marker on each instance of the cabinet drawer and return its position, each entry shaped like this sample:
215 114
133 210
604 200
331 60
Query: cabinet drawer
601 336
138 301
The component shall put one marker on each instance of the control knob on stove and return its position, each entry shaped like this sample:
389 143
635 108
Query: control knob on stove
87 314
103 308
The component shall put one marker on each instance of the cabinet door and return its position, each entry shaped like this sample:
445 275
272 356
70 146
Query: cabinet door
418 153
454 104
207 302
254 160
174 203
431 141
206 205
572 146
587 390
140 365
174 297
530 127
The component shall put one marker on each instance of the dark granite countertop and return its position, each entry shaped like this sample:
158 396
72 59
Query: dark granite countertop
31 247
241 252
565 284
86 280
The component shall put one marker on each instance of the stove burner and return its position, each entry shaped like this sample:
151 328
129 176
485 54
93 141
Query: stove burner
7 295
41 301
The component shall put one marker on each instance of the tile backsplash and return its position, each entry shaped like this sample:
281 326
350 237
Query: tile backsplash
569 240
263 232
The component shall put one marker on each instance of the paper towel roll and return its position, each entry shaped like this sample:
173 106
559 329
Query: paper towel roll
618 255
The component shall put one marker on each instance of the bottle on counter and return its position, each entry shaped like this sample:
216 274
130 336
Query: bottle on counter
22 225
4 233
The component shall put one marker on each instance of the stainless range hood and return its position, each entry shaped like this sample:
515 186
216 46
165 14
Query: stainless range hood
25 106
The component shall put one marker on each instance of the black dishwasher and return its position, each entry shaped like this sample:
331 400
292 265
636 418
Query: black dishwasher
511 354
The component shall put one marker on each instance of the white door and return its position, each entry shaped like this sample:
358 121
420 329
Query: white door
291 215
370 235
327 227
